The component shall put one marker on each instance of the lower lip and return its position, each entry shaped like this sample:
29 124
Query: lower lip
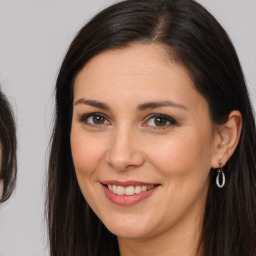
124 200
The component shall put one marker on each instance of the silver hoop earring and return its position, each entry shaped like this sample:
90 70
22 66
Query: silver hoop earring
220 173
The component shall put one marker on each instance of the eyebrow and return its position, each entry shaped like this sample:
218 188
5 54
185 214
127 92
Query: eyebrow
141 107
158 104
92 103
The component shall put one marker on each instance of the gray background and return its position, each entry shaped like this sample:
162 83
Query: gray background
34 36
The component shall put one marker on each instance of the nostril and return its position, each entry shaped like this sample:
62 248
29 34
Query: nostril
124 160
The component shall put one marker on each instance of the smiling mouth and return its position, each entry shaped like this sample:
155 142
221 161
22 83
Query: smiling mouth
128 193
129 190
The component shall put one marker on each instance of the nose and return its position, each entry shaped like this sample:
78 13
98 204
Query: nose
124 152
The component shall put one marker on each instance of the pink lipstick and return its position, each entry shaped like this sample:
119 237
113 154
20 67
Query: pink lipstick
129 192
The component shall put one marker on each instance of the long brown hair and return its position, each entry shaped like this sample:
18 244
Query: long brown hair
199 43
8 169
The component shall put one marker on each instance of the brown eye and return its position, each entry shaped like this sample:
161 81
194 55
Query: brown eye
94 119
97 119
160 121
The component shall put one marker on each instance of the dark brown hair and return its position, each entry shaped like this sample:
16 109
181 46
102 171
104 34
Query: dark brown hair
8 169
199 43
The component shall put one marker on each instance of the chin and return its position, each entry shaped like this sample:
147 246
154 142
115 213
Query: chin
129 232
128 227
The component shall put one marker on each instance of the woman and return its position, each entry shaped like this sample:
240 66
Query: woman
7 149
153 149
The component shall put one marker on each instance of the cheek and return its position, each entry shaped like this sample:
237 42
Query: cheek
86 153
183 154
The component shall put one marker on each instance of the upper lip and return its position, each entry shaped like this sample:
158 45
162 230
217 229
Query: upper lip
127 183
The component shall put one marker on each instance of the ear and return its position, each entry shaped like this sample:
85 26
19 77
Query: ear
227 138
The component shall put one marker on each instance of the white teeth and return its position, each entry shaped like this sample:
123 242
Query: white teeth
144 188
130 190
137 190
120 190
114 189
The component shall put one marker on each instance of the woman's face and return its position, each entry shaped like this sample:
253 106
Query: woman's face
142 142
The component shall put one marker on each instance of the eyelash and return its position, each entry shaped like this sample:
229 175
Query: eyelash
86 117
168 121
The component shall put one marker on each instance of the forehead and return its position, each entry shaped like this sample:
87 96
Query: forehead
143 72
137 62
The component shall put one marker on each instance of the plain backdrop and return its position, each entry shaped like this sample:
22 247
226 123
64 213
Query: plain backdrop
34 36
